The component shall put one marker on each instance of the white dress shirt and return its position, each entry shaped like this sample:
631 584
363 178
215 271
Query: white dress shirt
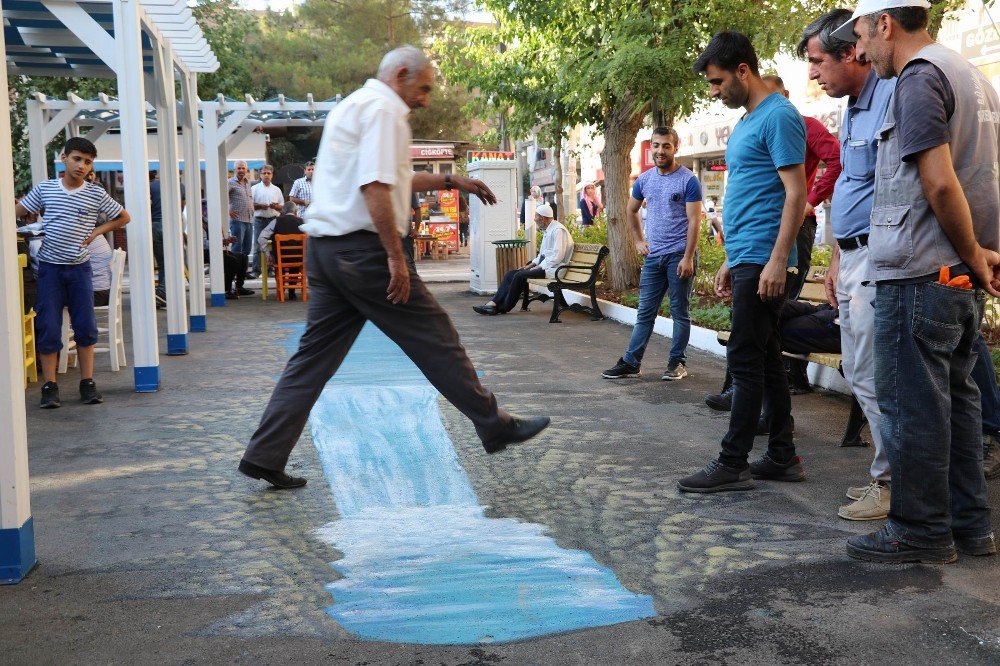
556 250
266 194
366 139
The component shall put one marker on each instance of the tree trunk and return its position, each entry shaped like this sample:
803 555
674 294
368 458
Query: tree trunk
557 140
621 125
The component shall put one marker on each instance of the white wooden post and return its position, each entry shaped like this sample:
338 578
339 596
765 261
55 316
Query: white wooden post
192 184
17 534
135 162
170 199
214 191
36 141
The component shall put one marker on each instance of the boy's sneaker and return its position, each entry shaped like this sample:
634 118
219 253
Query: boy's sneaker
717 478
722 402
50 395
991 456
766 468
89 395
621 370
675 370
872 505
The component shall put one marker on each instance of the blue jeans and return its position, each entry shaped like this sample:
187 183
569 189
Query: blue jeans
925 336
244 236
659 274
61 286
986 379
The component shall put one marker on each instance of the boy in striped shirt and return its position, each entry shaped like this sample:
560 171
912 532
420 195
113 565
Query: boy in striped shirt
70 207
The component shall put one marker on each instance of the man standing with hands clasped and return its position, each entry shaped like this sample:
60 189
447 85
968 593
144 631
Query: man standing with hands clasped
933 251
357 270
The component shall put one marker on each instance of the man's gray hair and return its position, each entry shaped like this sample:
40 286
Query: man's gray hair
239 162
410 57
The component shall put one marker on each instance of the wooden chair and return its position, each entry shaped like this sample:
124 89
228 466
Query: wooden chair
290 268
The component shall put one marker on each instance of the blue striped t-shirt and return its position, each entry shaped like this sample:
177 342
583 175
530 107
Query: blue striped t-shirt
70 216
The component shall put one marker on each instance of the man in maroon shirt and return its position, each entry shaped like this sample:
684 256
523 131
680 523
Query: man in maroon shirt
821 146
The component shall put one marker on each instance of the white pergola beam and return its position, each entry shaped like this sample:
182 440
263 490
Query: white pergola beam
192 182
145 345
214 191
17 535
90 32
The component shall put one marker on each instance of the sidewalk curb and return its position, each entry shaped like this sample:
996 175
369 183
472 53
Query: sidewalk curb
704 339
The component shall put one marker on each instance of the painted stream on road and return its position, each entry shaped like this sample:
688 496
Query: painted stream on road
421 561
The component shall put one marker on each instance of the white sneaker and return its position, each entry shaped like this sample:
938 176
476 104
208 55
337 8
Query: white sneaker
872 505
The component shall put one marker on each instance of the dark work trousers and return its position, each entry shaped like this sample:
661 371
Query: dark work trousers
348 277
753 354
234 268
803 247
512 287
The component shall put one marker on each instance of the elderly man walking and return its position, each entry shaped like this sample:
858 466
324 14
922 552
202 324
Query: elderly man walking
933 250
357 270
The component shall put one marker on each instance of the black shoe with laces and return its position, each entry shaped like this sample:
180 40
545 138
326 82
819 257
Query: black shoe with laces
717 478
766 468
621 370
722 402
881 546
89 395
50 395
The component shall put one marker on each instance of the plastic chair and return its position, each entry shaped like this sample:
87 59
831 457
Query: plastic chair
109 315
290 268
27 329
264 264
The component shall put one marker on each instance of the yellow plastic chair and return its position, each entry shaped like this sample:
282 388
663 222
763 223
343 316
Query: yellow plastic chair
27 329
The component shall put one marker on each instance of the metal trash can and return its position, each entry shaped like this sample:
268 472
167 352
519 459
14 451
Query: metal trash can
511 254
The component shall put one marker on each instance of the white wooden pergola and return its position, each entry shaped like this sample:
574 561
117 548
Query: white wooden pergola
141 44
225 122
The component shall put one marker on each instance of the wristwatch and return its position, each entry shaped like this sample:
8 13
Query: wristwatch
447 181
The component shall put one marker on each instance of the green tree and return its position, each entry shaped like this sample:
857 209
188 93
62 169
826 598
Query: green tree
615 58
234 35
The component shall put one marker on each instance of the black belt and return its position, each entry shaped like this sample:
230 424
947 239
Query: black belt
853 243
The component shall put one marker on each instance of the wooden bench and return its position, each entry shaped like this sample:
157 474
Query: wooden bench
580 273
814 291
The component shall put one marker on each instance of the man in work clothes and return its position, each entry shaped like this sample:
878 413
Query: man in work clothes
357 270
933 250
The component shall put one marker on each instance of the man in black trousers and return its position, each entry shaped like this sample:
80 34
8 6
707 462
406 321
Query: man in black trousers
358 272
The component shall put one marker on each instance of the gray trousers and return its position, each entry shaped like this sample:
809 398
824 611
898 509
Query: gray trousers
348 277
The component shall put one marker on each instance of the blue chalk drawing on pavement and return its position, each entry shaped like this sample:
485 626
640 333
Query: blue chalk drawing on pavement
421 561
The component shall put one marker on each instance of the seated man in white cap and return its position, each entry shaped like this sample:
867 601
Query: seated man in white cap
557 248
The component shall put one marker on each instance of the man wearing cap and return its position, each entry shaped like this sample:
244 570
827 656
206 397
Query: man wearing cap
932 252
669 244
556 250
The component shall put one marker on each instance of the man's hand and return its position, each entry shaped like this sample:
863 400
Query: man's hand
233 215
642 247
88 240
830 282
229 239
475 186
399 281
810 210
772 281
724 281
685 269
986 268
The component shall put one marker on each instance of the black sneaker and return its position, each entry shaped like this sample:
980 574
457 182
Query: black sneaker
50 395
621 370
717 478
976 546
89 395
764 429
722 402
245 292
675 370
766 468
881 546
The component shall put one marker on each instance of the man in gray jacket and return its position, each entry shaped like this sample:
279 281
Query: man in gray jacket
933 252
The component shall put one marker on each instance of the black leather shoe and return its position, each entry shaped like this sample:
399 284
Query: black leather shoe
976 546
721 402
764 429
519 430
242 291
484 309
881 546
277 479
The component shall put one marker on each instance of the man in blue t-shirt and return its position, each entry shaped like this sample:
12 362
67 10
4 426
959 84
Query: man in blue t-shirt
673 217
765 203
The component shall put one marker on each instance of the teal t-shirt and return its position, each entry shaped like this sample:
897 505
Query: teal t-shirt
771 137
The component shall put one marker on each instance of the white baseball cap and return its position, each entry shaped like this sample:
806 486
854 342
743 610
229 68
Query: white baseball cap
544 210
866 7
